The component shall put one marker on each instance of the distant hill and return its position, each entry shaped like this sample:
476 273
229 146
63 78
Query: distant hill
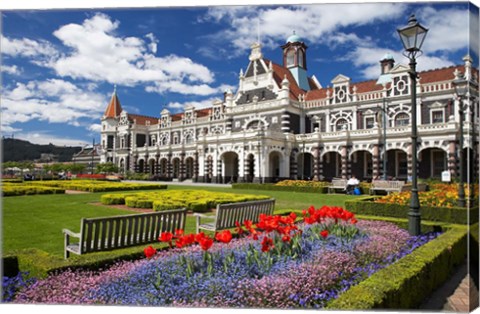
20 150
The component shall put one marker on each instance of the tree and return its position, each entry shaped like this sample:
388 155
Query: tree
107 167
76 168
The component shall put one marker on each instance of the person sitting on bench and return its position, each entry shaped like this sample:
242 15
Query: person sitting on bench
352 183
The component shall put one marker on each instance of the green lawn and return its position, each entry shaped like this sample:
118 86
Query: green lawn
36 222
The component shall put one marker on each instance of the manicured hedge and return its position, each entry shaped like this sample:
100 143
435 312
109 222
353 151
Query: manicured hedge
406 283
78 185
273 187
195 200
456 215
18 189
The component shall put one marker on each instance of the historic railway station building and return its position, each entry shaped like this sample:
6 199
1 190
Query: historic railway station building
282 124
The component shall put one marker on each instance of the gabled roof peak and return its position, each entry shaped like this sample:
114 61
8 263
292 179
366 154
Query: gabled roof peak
114 108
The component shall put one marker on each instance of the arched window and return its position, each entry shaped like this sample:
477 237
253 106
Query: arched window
340 124
402 119
290 58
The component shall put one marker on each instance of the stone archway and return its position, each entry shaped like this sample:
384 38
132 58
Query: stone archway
140 166
361 164
189 163
397 164
305 166
176 167
230 167
432 162
332 165
275 162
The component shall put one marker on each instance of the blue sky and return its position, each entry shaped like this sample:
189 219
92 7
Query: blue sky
60 66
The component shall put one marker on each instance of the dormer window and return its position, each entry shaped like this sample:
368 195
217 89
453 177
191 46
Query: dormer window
300 59
291 58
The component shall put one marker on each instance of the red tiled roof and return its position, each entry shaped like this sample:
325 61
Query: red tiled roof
142 120
203 112
438 75
279 73
113 109
430 76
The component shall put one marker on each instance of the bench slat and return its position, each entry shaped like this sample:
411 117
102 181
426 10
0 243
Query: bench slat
227 214
106 233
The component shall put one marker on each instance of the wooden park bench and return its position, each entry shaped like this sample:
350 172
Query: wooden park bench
227 214
108 233
337 184
386 185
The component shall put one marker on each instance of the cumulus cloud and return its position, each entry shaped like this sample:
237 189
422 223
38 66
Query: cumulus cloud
54 101
14 70
318 23
97 53
25 47
177 106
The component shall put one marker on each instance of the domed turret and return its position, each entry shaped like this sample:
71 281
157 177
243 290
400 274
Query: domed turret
295 60
294 38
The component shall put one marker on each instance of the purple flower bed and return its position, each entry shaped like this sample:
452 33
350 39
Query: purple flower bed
324 268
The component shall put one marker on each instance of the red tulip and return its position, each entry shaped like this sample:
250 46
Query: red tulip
225 236
165 237
267 244
149 251
324 233
199 237
206 243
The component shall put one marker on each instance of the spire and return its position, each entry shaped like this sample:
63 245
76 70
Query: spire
114 108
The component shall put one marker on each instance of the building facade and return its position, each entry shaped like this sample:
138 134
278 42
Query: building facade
282 124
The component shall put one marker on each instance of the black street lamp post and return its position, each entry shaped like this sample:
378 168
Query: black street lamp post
412 36
461 86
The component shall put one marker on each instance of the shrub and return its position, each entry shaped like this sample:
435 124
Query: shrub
367 206
406 283
195 200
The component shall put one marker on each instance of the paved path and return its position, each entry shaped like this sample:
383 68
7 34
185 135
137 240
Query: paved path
458 294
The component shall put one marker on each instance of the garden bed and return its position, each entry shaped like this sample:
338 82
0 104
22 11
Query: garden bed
194 200
368 206
328 258
59 186
303 186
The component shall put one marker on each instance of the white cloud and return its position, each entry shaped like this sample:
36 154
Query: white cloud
317 23
197 104
368 60
54 101
448 29
10 69
98 54
96 128
27 48
153 42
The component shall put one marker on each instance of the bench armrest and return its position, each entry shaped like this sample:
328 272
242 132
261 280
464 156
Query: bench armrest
203 215
71 233
199 216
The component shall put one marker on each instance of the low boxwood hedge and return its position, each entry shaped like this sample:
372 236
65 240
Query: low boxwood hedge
406 283
195 200
17 189
273 187
455 215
